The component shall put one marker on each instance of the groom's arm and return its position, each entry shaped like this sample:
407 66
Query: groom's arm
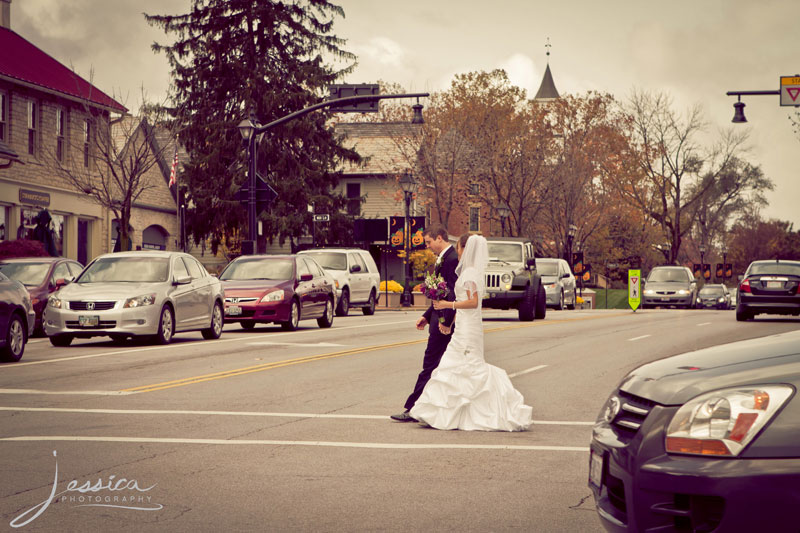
448 272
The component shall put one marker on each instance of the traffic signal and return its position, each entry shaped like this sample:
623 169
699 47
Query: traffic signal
577 263
345 90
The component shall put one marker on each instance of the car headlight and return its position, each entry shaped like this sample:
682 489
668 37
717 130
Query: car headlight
54 302
274 296
682 292
505 278
649 292
723 422
336 282
721 299
139 301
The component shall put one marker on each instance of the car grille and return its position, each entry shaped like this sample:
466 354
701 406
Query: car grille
632 414
492 281
665 293
103 324
91 306
239 300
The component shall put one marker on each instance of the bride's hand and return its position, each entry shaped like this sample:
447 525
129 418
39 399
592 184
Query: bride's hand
442 304
444 329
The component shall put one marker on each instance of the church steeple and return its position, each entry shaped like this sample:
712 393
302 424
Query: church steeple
547 90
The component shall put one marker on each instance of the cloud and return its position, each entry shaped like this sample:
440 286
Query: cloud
381 50
522 72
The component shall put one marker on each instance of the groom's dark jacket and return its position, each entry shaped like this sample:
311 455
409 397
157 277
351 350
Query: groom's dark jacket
447 269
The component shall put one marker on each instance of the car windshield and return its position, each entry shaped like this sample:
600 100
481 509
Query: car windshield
282 269
30 274
500 251
784 269
546 268
668 275
330 260
117 269
711 291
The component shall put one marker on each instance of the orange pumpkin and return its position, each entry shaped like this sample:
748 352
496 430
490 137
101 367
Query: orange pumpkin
417 239
397 238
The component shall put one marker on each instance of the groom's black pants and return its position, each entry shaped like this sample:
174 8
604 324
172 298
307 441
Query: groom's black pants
437 344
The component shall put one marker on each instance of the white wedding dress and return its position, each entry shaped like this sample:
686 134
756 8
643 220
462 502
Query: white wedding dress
465 392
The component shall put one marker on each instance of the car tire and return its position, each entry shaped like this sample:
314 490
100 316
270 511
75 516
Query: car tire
214 331
326 320
344 303
166 326
294 317
574 303
560 304
15 340
248 324
61 340
540 310
370 307
742 315
527 306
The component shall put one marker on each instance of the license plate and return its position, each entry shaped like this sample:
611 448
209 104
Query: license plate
88 321
774 284
596 469
233 310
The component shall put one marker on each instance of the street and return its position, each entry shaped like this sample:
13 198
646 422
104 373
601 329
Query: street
288 431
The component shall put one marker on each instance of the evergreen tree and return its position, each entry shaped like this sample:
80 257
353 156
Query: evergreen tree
233 56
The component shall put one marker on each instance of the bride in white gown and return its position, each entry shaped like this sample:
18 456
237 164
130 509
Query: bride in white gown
465 392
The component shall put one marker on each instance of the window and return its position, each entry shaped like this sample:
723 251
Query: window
57 225
193 269
474 189
302 267
33 117
179 269
474 218
86 136
61 272
60 123
353 192
3 225
355 259
3 116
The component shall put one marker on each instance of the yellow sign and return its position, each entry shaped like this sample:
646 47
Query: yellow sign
634 289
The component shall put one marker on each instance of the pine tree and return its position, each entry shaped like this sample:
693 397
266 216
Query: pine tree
233 56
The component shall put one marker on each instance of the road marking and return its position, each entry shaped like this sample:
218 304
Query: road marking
704 324
224 442
185 344
300 344
76 392
637 338
240 413
521 372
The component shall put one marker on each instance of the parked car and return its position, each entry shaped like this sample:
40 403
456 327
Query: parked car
559 282
132 294
670 286
771 286
42 276
512 281
714 296
703 441
281 289
355 274
17 318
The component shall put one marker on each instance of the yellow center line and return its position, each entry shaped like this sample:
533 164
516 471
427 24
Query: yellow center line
311 358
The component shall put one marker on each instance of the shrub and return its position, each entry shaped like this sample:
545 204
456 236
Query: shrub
22 248
393 286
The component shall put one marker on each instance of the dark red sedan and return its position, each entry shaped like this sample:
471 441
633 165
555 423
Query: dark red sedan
41 276
280 289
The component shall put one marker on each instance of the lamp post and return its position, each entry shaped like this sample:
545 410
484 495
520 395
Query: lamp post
724 260
247 128
702 261
571 231
504 211
409 185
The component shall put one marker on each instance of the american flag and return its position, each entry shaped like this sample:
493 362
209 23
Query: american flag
173 172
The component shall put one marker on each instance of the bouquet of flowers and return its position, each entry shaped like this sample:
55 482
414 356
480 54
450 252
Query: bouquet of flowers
435 287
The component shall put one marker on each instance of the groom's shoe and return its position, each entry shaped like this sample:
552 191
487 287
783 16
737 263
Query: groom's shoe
405 416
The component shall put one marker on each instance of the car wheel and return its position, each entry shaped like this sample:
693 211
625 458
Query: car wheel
560 304
294 317
248 324
742 315
215 329
344 304
571 306
527 306
327 318
541 304
61 340
370 308
15 340
166 326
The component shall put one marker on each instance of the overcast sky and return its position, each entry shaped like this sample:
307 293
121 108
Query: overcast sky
694 50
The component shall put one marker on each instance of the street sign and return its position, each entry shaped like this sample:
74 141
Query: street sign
790 90
322 218
634 289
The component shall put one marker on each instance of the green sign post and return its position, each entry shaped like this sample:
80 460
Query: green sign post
634 289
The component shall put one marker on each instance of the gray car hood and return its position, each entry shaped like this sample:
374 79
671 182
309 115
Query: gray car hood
108 291
677 379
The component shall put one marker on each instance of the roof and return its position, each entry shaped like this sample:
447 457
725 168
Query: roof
28 65
547 90
380 143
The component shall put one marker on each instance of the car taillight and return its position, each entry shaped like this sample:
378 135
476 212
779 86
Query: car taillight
745 286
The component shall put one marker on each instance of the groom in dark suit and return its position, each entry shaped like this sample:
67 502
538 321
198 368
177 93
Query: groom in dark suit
436 240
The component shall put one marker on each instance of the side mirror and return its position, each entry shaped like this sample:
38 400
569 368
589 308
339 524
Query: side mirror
531 264
565 275
306 277
185 280
60 282
355 268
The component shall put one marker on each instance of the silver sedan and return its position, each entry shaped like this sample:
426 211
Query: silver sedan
130 294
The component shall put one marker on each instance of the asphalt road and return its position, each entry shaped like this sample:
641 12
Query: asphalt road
289 431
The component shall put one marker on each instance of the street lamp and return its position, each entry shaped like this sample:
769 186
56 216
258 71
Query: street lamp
247 127
724 260
571 231
504 211
409 185
702 261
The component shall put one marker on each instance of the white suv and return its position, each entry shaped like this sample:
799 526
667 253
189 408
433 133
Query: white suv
356 276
